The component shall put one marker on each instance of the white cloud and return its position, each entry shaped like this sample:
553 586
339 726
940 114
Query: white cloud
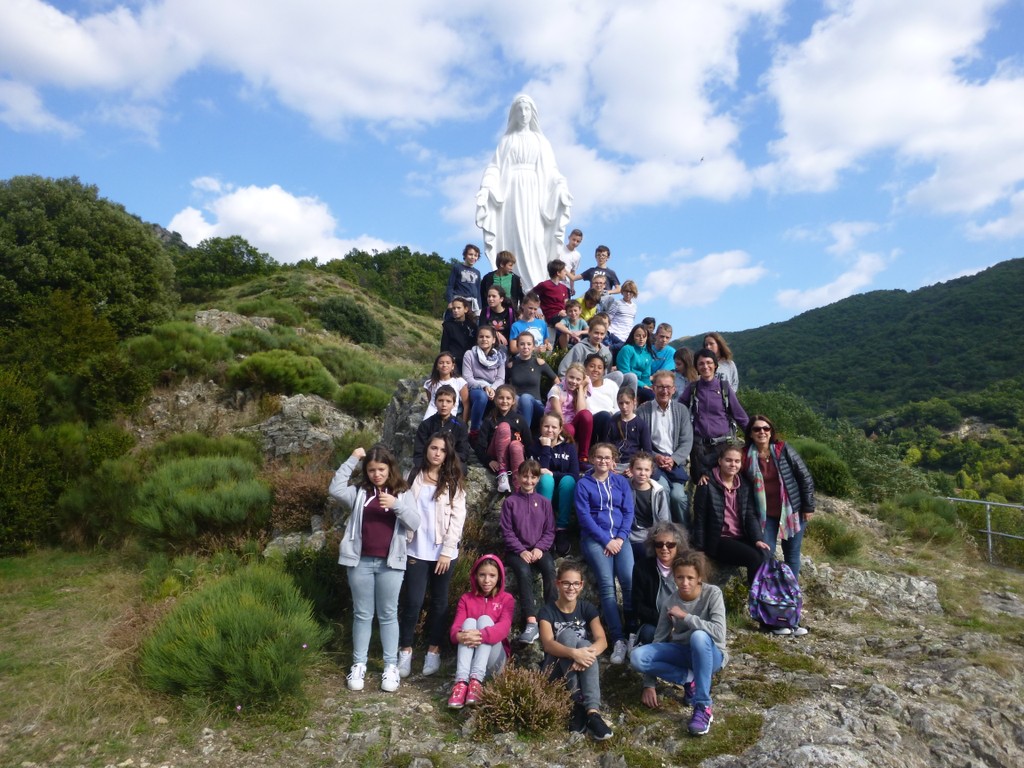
21 109
882 76
846 235
1005 227
859 276
287 226
700 283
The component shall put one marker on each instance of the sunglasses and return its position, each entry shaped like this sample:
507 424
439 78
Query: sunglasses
760 429
665 544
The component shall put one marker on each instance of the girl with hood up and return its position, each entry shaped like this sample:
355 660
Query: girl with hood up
483 620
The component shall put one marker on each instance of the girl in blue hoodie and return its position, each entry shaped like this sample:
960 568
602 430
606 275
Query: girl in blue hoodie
604 509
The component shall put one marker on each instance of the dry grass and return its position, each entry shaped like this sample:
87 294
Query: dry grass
66 654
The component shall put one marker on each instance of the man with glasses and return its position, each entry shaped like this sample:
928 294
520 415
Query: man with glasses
672 440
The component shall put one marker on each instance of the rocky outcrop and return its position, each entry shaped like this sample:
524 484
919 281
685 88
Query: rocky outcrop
220 322
304 424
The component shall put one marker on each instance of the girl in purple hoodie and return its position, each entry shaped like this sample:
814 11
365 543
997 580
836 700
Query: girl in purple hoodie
483 619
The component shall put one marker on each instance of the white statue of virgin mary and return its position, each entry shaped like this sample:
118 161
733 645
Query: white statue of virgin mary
524 202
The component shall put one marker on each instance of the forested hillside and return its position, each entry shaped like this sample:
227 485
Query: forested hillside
868 354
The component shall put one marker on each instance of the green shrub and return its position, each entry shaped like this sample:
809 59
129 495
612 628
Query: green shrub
249 339
522 700
98 508
267 306
195 444
179 348
212 493
321 581
362 399
835 537
922 516
244 641
344 316
23 482
831 475
284 372
344 445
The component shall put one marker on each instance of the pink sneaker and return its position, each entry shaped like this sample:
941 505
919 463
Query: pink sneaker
458 698
475 689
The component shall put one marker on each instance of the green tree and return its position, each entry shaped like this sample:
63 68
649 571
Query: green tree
411 280
58 234
219 262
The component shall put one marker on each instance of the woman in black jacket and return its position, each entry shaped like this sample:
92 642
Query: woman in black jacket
725 524
783 488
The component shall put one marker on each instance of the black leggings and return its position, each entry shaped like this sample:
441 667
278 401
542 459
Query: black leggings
419 575
737 552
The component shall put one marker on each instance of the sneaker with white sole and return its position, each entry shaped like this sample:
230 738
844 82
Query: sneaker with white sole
530 633
390 680
356 677
782 631
431 663
404 663
631 643
619 652
503 484
700 721
800 631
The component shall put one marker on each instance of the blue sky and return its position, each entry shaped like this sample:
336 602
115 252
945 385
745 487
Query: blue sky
745 160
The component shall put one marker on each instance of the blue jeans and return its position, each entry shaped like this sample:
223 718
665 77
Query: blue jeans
584 685
374 586
564 504
673 662
530 407
478 402
607 569
481 661
790 546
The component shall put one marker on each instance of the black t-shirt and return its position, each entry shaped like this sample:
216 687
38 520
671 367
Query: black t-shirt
578 621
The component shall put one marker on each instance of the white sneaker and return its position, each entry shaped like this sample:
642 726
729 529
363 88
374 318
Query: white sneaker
503 484
389 681
356 676
431 663
631 643
619 652
799 631
782 631
404 663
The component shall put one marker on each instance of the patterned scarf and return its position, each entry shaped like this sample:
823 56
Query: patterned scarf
789 521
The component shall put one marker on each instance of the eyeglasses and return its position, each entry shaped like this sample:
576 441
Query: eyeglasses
760 429
571 584
665 544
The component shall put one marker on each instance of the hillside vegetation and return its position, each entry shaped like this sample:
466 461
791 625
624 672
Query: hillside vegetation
873 352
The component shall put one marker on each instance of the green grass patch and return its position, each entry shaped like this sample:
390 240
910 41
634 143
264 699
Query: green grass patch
731 734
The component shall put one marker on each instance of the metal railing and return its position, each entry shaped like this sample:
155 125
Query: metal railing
987 530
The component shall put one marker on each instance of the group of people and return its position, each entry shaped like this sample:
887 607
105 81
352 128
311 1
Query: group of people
608 461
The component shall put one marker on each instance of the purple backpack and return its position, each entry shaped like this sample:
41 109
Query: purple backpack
775 599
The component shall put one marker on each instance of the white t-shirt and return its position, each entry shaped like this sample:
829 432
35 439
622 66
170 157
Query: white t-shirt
456 383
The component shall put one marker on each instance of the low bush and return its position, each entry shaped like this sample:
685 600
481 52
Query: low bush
344 445
195 444
831 475
835 537
267 306
792 415
179 349
299 494
362 399
522 700
344 316
244 641
922 516
97 509
283 372
321 580
185 497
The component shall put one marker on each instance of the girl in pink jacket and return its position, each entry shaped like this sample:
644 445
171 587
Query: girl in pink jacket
482 623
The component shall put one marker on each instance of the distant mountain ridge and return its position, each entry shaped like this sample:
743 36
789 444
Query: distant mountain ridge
869 353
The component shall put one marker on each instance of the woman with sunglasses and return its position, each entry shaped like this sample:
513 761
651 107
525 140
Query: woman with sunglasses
783 490
652 577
